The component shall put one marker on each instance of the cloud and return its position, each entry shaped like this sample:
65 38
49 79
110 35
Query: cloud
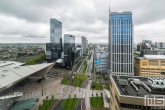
28 20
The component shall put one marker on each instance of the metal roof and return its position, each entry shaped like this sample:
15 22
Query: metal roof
12 75
4 64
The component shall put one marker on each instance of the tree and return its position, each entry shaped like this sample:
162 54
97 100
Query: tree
101 94
31 62
74 95
52 96
93 85
43 101
37 60
141 53
46 97
96 94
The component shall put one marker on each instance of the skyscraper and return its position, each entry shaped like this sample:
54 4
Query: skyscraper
84 44
54 48
55 31
121 43
69 47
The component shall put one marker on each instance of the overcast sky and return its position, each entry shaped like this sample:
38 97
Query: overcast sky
28 20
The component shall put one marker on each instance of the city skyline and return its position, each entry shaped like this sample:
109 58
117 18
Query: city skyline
80 18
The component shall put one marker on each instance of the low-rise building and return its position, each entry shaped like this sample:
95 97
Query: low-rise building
136 93
154 52
150 65
161 45
102 64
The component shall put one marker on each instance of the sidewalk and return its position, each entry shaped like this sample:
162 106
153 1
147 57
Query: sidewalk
87 96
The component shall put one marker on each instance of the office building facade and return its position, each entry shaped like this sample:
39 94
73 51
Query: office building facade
87 44
161 45
84 44
54 48
121 43
69 48
55 31
102 56
150 66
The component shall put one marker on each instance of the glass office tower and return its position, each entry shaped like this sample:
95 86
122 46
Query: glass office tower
121 43
55 30
84 44
69 48
54 48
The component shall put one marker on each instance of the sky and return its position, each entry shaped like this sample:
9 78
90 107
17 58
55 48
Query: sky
28 21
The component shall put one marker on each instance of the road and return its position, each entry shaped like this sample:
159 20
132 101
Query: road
58 106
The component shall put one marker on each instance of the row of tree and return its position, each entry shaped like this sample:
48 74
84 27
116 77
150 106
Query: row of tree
37 60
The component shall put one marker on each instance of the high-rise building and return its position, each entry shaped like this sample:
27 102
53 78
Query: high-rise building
55 31
121 43
54 48
87 44
84 44
69 48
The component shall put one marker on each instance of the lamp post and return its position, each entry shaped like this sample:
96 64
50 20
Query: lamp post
42 90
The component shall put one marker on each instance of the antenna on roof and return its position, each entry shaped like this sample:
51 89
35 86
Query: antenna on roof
109 10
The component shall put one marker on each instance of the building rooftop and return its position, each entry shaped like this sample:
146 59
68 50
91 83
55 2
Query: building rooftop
13 74
125 12
135 86
25 104
5 64
161 57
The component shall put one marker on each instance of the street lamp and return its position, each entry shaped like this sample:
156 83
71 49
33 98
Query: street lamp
42 90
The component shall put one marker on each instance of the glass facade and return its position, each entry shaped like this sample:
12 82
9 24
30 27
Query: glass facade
69 48
55 31
121 43
84 44
54 48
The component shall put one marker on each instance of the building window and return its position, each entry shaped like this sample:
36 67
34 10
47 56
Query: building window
162 63
144 63
153 62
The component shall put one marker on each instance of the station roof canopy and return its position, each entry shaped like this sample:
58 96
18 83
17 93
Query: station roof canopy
10 75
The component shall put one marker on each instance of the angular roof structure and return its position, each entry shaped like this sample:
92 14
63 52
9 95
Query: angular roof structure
13 74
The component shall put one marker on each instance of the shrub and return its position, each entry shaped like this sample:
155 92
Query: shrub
46 97
101 94
52 96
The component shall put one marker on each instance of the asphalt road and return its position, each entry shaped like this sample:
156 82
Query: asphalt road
58 106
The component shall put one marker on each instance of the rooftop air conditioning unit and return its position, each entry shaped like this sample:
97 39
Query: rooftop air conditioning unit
123 82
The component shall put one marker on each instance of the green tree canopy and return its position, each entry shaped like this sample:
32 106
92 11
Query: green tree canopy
141 53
